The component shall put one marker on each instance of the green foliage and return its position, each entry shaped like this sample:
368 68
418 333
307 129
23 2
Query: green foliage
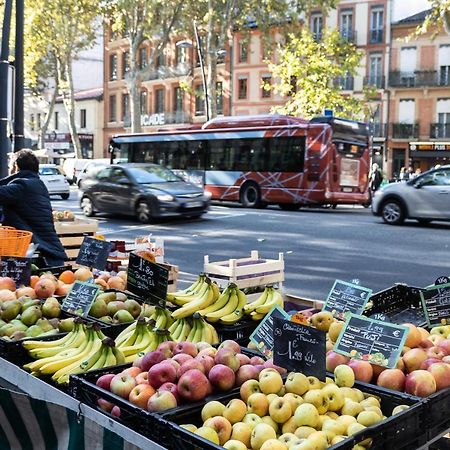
438 19
307 71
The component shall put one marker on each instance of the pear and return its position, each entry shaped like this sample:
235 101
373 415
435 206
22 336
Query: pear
121 296
107 297
54 322
2 322
19 325
31 302
10 309
98 308
66 325
51 308
34 331
107 319
115 306
123 316
44 324
31 315
133 307
18 335
8 329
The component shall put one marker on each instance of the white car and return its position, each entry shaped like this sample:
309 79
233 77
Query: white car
92 168
424 198
55 182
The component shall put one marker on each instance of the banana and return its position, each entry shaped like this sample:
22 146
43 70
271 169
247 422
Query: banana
192 288
101 362
126 333
133 349
161 319
258 302
237 314
198 331
190 336
110 359
215 336
176 331
120 359
185 331
195 305
228 308
216 290
255 316
275 299
221 301
181 298
41 345
92 359
207 335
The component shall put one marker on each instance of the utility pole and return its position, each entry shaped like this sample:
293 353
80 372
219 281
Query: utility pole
5 143
19 138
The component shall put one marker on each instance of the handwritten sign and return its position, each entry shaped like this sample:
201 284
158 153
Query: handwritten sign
299 348
442 280
346 297
147 280
94 253
436 304
378 342
19 269
80 298
262 337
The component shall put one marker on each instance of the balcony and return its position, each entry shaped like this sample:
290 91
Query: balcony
378 130
376 36
418 78
349 35
345 83
439 130
405 130
375 81
161 72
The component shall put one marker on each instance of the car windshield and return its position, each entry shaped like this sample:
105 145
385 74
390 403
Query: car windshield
49 171
152 174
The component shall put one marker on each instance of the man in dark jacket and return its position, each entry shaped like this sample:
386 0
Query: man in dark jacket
26 206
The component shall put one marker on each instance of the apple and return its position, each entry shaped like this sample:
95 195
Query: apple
335 330
392 379
185 347
209 351
270 381
256 360
115 411
137 362
248 388
446 359
297 383
105 405
322 320
333 360
280 410
233 444
445 346
190 364
246 372
8 283
202 345
334 397
161 373
171 361
318 398
221 426
441 374
161 401
307 415
362 369
207 362
122 384
222 377
180 358
233 345
274 444
351 408
133 371
207 433
140 395
171 387
314 383
414 358
227 357
251 420
193 385
435 338
235 410
399 409
261 433
426 343
244 359
104 381
376 372
427 363
152 358
166 348
258 404
413 337
241 432
344 376
212 409
436 352
141 378
420 383
269 364
294 399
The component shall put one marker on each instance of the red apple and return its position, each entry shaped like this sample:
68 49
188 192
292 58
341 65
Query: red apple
193 385
222 377
152 358
420 383
259 367
105 405
185 347
104 381
334 359
233 345
435 338
376 372
269 364
115 411
246 372
227 357
362 369
166 348
180 358
202 345
140 395
122 384
392 379
137 362
133 371
171 387
435 352
256 360
208 351
427 363
207 361
188 365
445 346
426 343
446 359
248 388
161 373
141 378
414 358
173 362
441 374
243 359
161 401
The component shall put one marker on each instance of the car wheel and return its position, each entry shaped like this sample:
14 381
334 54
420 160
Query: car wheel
289 206
87 207
393 212
195 216
65 196
424 221
250 196
143 212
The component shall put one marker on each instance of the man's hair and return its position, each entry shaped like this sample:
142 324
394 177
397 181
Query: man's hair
26 160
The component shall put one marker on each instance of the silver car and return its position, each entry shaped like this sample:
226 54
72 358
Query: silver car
55 182
424 198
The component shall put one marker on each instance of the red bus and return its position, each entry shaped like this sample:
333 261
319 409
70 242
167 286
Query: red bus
260 160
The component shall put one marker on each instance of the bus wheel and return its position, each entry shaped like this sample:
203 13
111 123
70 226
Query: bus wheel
289 206
143 212
250 196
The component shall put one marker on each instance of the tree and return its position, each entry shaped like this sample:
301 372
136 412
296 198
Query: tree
437 19
138 21
307 73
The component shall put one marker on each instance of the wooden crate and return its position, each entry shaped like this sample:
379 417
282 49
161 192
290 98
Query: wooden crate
71 235
246 272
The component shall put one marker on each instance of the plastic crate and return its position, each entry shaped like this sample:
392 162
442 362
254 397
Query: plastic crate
399 304
437 418
239 332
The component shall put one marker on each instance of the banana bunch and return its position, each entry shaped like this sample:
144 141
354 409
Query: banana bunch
269 298
179 330
85 348
162 318
193 292
207 294
202 331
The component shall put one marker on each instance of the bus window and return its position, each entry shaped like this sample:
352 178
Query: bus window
219 155
287 154
196 155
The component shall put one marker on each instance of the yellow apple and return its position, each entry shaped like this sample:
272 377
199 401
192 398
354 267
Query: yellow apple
280 410
307 415
248 388
212 409
334 397
251 420
271 422
368 418
274 444
190 427
322 320
332 414
374 409
271 397
351 408
359 394
260 434
322 419
345 420
233 444
289 426
221 426
334 427
319 440
270 381
328 380
294 399
338 439
335 330
303 445
370 401
355 428
344 376
350 393
314 383
208 433
296 383
399 408
303 432
235 410
317 398
258 404
288 439
241 432
329 345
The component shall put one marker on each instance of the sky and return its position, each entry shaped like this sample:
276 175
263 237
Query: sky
406 8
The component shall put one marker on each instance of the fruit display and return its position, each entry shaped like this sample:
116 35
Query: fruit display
301 413
115 307
66 216
269 298
84 348
195 330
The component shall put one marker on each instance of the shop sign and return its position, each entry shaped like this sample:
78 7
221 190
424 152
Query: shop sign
153 119
429 146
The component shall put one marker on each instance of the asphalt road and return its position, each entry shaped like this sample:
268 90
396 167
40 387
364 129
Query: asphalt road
319 245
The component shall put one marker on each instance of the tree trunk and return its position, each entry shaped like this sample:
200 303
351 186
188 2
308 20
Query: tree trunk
211 63
48 116
133 81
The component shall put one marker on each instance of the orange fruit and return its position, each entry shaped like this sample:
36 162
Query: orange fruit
67 277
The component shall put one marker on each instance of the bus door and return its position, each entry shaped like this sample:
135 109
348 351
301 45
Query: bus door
351 168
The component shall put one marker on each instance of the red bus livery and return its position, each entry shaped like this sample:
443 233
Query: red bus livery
260 160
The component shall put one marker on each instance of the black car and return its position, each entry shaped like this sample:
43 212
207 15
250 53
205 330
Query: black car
147 191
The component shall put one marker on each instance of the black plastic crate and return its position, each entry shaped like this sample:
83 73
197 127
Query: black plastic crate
437 417
399 304
239 332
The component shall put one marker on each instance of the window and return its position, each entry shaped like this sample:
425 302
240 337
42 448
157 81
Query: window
375 70
178 100
347 24
266 80
287 154
444 65
444 76
181 55
219 97
143 102
160 60
199 101
242 88
39 121
125 63
112 108
159 101
316 26
113 67
243 51
143 60
32 124
56 120
125 107
376 25
406 111
82 118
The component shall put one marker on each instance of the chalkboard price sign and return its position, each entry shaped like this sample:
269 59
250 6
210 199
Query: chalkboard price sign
80 298
299 348
147 280
378 342
94 253
436 304
262 337
19 269
346 297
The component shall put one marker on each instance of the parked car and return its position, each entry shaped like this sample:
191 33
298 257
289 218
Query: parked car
91 168
147 191
424 198
72 168
54 180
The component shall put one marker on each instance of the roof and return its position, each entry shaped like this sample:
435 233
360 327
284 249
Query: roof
87 94
415 18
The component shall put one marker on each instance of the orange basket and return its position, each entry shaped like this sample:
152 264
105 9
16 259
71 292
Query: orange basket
14 242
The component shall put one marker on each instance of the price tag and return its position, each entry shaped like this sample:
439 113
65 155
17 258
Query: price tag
346 297
378 342
436 304
442 280
262 337
147 280
80 298
19 269
94 253
299 348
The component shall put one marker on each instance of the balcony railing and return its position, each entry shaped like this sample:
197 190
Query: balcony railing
377 81
405 130
346 83
349 35
378 130
418 78
439 130
376 36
